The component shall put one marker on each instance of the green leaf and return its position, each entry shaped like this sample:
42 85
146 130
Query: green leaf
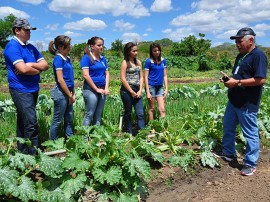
73 161
111 176
26 190
98 162
73 185
8 178
184 161
51 166
123 197
207 158
21 161
138 166
54 144
56 195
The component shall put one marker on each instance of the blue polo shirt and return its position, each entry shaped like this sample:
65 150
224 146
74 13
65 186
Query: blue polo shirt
156 72
15 52
96 70
61 63
252 65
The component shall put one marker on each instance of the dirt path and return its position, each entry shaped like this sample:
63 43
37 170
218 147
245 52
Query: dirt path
223 184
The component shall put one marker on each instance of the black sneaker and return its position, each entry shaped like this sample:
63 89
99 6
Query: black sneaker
220 154
247 170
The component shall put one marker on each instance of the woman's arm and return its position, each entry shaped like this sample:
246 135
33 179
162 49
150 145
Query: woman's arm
90 82
123 78
139 93
63 85
165 82
107 91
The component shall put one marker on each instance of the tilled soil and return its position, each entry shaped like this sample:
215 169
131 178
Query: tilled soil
224 184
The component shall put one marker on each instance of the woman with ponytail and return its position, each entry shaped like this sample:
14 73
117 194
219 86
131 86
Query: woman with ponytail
96 81
63 94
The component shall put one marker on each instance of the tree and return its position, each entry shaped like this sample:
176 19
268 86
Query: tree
77 51
39 45
117 46
6 29
191 46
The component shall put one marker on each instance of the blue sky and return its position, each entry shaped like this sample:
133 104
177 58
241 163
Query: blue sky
141 20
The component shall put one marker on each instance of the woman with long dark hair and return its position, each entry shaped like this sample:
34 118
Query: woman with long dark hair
155 76
131 76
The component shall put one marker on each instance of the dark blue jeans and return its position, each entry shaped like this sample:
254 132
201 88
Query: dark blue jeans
128 102
62 109
27 125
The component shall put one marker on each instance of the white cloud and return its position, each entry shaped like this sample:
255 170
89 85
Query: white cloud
161 6
178 34
223 18
134 37
116 7
123 26
6 11
34 2
52 27
86 24
149 29
72 34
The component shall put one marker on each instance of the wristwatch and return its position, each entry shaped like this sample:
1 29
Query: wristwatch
239 83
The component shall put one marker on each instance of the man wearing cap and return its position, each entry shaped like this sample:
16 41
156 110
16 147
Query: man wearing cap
24 63
244 93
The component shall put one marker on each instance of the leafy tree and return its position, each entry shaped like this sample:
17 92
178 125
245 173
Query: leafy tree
191 46
117 47
164 42
6 29
77 51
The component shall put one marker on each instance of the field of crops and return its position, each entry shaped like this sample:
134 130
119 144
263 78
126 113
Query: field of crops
111 164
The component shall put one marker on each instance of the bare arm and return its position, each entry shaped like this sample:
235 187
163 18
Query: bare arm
42 65
244 82
146 74
106 90
139 93
165 82
25 68
123 78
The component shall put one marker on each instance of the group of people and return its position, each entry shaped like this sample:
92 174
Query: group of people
25 63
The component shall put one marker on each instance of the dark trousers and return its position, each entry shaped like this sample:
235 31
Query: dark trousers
128 102
27 126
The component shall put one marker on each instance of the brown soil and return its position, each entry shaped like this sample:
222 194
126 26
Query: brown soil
224 184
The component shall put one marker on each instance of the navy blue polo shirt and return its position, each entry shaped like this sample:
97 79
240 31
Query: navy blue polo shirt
252 65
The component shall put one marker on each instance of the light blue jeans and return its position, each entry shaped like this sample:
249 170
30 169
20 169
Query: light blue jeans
61 110
94 105
248 122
